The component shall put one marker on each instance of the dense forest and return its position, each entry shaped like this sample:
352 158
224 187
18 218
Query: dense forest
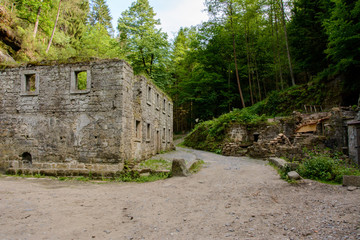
274 52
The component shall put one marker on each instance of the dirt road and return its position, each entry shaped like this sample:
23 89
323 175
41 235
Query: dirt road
231 198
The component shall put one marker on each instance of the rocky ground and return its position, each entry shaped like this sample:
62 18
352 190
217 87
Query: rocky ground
230 198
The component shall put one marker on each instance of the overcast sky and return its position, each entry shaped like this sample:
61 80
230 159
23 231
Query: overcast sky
173 14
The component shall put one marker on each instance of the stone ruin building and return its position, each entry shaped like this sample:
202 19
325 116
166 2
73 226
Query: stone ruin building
80 119
338 129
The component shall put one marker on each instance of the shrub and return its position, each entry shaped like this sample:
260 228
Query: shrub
317 168
326 166
209 135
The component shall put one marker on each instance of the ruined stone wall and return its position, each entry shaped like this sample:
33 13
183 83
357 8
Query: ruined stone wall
58 126
153 110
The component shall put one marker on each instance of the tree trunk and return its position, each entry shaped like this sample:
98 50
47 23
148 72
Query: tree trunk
235 59
37 21
274 45
278 53
257 78
248 63
53 32
287 43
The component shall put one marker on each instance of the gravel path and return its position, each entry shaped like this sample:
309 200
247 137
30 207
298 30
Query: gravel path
230 198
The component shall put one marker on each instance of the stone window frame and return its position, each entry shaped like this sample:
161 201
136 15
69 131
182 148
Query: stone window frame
24 92
164 135
73 82
169 109
158 101
148 132
138 130
169 135
164 106
149 95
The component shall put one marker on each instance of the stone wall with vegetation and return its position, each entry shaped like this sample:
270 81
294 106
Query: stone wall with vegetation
51 124
243 132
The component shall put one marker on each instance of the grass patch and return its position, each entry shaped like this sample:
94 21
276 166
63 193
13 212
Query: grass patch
196 167
182 145
133 176
283 173
156 164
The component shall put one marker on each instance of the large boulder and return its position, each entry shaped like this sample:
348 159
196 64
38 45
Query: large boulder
179 169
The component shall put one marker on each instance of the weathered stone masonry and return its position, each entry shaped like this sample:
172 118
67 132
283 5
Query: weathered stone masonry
50 126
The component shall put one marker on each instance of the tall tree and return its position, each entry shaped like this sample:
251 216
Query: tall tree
343 29
100 13
224 9
53 32
146 46
37 19
307 35
287 42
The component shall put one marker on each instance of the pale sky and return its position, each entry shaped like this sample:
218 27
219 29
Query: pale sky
173 14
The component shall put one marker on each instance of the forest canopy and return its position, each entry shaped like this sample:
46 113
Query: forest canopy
248 51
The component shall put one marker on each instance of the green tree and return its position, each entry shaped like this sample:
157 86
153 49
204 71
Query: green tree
307 35
343 29
225 10
145 46
100 13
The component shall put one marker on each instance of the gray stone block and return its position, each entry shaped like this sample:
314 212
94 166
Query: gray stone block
293 175
179 169
351 181
279 162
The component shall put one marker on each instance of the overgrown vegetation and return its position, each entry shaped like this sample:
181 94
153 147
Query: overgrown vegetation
323 165
209 135
326 166
196 167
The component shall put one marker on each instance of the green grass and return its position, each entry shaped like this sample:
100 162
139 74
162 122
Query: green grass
283 173
196 167
132 176
156 164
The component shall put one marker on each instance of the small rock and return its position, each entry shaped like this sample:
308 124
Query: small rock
293 175
351 188
107 231
145 174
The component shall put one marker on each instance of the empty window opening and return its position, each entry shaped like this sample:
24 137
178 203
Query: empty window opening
26 158
169 135
148 131
164 105
164 134
149 94
81 80
138 129
169 109
30 82
157 101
